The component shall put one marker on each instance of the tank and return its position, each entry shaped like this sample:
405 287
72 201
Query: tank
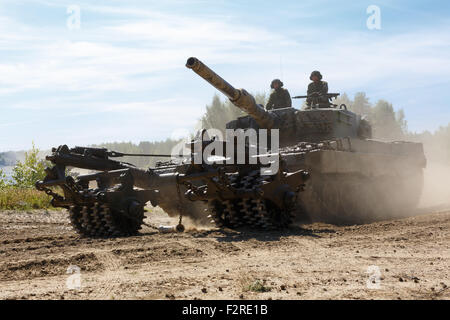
323 166
354 179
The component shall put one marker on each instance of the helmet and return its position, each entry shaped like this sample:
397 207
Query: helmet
276 81
315 73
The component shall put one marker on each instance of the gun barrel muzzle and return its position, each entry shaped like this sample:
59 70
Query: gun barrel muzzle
239 97
213 78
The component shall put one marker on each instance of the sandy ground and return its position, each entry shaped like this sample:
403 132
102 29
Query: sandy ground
409 257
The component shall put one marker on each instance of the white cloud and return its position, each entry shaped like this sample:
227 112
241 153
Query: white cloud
108 57
143 50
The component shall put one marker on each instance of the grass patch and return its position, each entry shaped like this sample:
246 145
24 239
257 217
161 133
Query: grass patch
250 284
14 198
258 286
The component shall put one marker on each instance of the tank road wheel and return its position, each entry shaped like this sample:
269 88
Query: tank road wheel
358 200
342 200
278 218
99 220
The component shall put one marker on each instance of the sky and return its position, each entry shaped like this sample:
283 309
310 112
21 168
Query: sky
118 72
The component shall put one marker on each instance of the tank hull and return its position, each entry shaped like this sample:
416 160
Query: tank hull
353 181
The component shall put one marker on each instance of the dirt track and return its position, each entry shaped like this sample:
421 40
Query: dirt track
305 262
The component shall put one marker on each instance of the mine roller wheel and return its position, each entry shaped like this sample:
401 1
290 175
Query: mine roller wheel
222 214
98 220
253 213
257 213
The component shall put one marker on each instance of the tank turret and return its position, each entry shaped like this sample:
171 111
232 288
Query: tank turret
315 124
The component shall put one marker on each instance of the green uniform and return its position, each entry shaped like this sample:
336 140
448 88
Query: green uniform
320 87
279 98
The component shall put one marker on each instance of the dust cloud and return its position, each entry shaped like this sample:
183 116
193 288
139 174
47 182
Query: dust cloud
436 190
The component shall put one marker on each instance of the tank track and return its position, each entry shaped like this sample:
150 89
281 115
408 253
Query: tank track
99 220
254 213
357 200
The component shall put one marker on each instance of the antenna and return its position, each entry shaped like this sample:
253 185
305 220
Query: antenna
281 68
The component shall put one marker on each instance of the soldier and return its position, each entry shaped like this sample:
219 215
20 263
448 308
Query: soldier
280 97
317 87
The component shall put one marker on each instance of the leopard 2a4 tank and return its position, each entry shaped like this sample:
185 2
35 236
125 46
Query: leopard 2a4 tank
328 169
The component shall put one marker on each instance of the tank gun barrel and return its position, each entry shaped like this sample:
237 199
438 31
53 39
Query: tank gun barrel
239 97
